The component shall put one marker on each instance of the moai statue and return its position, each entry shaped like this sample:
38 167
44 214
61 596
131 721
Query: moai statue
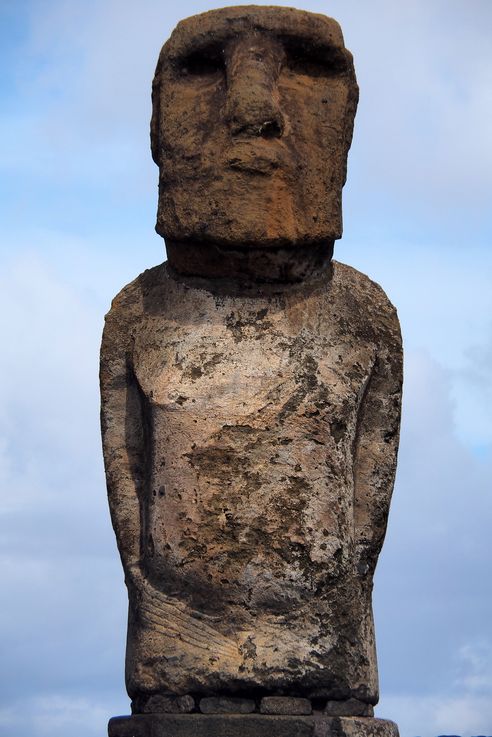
251 397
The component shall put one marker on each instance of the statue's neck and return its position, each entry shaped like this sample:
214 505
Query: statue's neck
249 265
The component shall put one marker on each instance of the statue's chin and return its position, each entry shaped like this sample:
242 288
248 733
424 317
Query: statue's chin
264 212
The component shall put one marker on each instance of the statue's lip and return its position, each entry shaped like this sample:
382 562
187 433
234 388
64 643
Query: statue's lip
256 156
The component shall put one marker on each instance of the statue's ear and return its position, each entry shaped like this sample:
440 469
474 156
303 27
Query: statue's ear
156 115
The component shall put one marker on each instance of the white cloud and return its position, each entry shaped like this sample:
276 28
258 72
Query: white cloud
426 98
474 384
475 671
56 715
432 607
428 716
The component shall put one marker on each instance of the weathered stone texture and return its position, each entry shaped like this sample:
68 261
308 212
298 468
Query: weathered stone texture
285 705
226 705
158 704
348 708
254 441
249 725
251 391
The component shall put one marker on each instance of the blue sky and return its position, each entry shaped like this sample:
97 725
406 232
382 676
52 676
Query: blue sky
78 201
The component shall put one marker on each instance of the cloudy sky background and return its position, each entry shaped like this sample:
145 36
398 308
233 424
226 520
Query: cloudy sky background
77 206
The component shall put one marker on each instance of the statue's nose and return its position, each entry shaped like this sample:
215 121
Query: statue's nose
253 102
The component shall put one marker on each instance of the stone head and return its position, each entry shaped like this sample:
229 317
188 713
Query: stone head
253 111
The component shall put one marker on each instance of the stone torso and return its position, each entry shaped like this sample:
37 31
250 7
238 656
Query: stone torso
251 406
258 469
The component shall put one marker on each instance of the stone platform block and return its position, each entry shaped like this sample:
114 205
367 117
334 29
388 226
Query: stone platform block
289 705
248 725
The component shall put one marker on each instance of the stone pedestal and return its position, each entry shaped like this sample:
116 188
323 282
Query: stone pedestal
249 725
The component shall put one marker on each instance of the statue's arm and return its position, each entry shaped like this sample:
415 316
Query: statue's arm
122 432
376 450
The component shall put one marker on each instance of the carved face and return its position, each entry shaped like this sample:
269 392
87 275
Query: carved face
253 111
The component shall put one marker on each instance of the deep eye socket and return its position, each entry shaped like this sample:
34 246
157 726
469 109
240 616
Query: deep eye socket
205 64
314 62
